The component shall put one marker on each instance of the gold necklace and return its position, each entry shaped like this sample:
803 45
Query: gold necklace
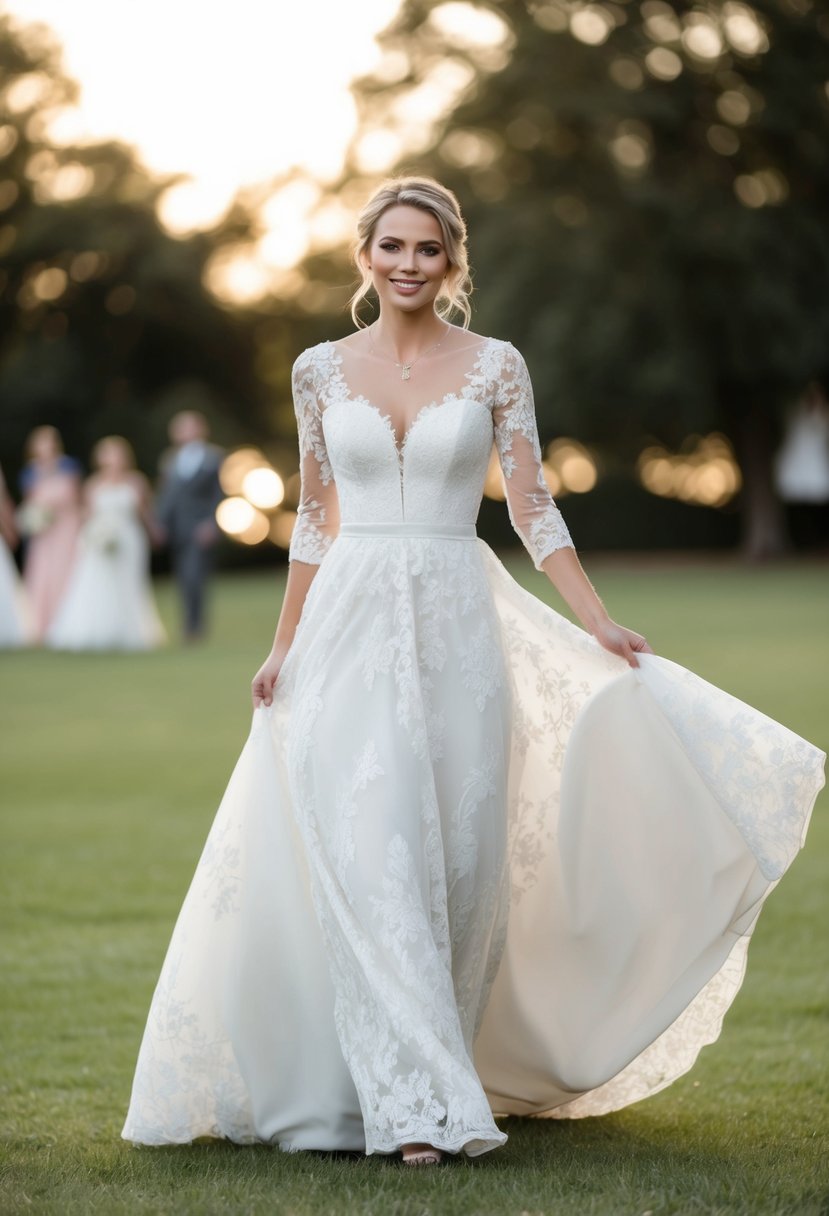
407 367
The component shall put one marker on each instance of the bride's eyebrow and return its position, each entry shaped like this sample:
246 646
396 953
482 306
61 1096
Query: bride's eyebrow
400 241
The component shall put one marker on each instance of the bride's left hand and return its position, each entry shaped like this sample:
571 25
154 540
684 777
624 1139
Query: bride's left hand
623 642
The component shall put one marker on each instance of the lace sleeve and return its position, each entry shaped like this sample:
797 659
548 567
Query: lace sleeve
532 511
318 514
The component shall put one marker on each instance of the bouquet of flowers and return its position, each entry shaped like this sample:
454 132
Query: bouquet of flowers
102 533
32 518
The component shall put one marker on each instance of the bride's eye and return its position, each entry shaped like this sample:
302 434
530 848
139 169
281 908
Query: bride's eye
431 251
389 246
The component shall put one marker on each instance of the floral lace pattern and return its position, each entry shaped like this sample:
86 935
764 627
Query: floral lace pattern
334 484
404 836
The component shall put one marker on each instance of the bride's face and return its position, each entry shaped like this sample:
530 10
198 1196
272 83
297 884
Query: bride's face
407 258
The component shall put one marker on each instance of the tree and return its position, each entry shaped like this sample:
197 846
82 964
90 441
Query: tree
647 189
106 323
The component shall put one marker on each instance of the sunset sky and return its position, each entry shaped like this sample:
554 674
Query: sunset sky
229 93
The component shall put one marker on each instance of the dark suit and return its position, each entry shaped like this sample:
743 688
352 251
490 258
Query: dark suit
185 502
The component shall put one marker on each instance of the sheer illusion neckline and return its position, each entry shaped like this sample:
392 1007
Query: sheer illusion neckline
462 394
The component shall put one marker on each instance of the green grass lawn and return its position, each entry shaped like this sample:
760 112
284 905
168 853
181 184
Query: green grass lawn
113 767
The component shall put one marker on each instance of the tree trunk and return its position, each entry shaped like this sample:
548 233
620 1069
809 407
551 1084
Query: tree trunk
763 520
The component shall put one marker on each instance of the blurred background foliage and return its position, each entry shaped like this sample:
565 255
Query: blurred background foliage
647 190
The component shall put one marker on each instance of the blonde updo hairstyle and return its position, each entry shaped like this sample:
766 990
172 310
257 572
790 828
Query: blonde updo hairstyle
428 195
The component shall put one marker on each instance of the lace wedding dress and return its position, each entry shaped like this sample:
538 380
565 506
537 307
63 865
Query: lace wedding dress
469 863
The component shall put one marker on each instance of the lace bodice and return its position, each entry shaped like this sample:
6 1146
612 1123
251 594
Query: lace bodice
355 468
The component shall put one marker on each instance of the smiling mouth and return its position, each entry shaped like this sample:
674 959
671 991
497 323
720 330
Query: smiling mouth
407 284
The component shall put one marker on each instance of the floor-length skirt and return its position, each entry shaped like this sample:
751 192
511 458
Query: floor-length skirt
14 621
109 603
48 562
468 864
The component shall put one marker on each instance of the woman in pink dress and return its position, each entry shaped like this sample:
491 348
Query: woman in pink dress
49 519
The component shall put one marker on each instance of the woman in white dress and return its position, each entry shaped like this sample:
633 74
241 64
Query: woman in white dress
14 627
109 603
473 860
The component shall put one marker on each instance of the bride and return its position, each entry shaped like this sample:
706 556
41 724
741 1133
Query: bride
473 860
109 602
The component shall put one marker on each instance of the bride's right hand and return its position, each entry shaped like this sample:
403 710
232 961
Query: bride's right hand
263 682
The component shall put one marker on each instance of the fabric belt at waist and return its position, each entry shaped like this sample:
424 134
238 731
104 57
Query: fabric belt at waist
407 528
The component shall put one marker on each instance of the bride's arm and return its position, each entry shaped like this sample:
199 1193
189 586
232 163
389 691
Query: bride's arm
300 577
316 526
537 519
565 572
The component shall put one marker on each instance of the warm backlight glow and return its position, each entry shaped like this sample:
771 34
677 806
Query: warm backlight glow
251 512
705 472
256 531
236 466
264 488
235 515
568 467
572 464
227 96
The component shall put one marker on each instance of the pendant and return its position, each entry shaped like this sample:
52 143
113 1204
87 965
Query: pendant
407 368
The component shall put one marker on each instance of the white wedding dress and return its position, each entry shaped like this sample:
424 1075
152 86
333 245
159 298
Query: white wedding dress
14 624
469 863
109 602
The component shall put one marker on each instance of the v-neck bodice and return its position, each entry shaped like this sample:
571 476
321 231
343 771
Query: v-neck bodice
359 466
446 384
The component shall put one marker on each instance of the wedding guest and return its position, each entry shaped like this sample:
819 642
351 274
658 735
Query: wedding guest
188 496
13 618
109 602
801 467
49 519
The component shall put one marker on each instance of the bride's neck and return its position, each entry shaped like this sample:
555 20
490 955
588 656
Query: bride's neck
406 333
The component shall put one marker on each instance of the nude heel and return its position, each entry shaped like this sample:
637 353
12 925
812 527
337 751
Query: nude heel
422 1156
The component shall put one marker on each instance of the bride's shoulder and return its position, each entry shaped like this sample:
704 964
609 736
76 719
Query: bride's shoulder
312 355
500 353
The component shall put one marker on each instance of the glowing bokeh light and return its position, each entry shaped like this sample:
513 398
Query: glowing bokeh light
734 107
743 29
49 284
631 151
626 73
591 25
256 531
706 474
663 64
236 466
573 465
661 22
701 38
468 25
235 515
264 488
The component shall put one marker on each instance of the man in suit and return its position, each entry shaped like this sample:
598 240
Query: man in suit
186 508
